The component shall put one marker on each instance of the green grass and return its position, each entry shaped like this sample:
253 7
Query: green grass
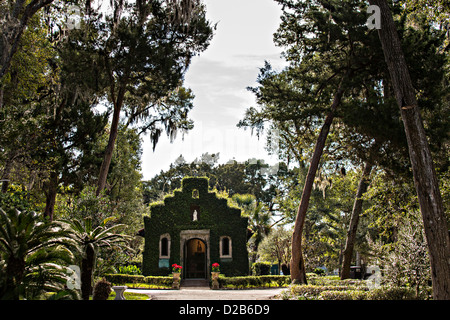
145 286
130 296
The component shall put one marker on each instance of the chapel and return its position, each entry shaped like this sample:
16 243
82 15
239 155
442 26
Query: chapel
194 228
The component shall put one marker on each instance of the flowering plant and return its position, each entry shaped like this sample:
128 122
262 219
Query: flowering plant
215 267
176 268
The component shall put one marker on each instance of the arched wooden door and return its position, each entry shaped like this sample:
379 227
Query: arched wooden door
195 259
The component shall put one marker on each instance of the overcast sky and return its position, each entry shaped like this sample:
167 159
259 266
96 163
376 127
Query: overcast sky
219 78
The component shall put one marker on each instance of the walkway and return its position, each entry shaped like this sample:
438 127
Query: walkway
202 293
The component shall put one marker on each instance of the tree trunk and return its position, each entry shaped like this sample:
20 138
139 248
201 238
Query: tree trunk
351 233
87 268
13 40
104 169
7 171
425 179
15 270
51 196
298 272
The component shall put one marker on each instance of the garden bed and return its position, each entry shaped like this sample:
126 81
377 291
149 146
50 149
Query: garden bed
332 288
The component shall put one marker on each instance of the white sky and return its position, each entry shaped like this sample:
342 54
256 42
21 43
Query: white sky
219 78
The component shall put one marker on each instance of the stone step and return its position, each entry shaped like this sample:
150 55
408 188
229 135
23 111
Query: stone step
188 283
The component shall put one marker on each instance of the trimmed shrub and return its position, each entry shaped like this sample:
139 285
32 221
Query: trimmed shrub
102 289
254 281
343 295
130 269
313 292
335 281
286 269
391 293
261 268
319 271
121 279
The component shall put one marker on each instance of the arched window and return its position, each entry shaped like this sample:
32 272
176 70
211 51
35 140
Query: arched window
225 247
164 246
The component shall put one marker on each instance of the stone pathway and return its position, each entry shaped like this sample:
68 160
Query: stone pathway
192 293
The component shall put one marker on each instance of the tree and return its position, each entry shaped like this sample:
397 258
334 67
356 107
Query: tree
425 179
258 217
327 49
357 209
49 125
276 246
298 271
20 89
405 262
366 113
15 16
91 238
36 253
145 54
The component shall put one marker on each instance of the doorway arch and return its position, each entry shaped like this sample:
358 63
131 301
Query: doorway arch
195 257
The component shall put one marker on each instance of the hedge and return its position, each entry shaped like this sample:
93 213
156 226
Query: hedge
391 293
336 292
261 268
224 282
311 291
254 281
343 295
121 279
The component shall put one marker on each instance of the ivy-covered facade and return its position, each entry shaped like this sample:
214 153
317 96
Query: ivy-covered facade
195 228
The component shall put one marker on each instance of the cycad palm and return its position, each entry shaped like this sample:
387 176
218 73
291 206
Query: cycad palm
34 254
91 239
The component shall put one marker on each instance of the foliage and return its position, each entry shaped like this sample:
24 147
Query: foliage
332 288
15 198
91 238
131 269
89 206
261 268
232 177
342 295
405 262
312 292
322 40
117 208
319 271
16 16
254 281
34 255
259 218
392 293
276 246
136 280
102 290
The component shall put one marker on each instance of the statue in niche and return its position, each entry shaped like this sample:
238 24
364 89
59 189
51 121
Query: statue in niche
195 212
